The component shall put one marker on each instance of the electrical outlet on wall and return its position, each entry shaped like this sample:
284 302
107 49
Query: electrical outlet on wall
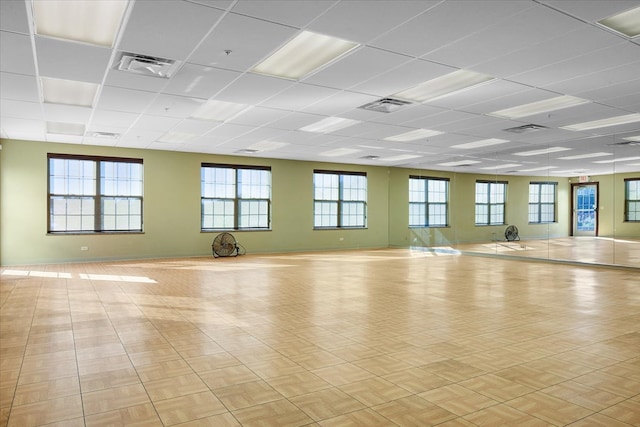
84 248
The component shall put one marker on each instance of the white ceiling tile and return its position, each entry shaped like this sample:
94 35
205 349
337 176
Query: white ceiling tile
113 118
66 113
127 100
298 96
249 40
592 11
294 121
259 116
128 80
17 128
364 63
13 16
402 77
296 13
71 61
196 127
253 89
16 54
339 103
168 29
19 87
21 109
361 21
173 106
198 81
155 123
601 81
531 27
445 23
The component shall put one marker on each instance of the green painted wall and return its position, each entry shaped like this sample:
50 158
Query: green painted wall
172 209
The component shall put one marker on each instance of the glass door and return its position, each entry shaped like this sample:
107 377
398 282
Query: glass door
585 210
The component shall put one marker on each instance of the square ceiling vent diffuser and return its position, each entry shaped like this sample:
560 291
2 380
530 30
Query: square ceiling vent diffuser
148 65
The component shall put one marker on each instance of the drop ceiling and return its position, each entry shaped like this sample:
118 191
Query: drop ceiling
534 50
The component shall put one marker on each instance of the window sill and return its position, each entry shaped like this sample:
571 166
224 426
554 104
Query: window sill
91 233
233 230
339 228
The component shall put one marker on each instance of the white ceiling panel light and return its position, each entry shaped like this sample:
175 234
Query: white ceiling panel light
538 107
542 151
542 168
61 128
304 54
481 143
400 157
505 166
413 135
219 111
267 145
68 92
460 163
329 124
585 156
611 121
633 138
621 159
95 22
340 152
626 23
444 86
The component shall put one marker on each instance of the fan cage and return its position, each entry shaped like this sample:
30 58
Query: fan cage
511 233
224 245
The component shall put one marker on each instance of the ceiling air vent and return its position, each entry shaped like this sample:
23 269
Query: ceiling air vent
148 65
371 157
525 128
385 105
246 151
104 135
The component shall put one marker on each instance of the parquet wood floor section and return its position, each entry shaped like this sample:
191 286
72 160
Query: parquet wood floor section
354 338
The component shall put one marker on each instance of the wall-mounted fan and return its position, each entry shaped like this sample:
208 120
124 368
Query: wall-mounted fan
511 233
224 244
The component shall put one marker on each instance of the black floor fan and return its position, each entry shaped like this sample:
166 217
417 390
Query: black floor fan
224 244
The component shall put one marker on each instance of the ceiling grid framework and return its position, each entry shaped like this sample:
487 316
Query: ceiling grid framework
549 63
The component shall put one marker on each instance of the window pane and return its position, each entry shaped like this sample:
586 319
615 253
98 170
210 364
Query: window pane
417 214
417 190
325 214
482 192
326 186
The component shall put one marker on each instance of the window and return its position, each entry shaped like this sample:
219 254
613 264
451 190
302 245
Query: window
632 199
428 202
340 199
235 197
490 202
94 194
542 202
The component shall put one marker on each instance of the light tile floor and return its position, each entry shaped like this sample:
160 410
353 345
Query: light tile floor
354 338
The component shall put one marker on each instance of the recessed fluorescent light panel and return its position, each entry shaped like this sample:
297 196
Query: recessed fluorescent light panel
584 156
413 135
459 163
508 165
622 159
627 23
329 124
481 143
219 111
538 107
94 22
61 128
444 86
267 145
339 152
69 92
543 151
611 121
633 138
176 137
538 169
400 157
304 54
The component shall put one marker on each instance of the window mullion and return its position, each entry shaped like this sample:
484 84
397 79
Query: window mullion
97 202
